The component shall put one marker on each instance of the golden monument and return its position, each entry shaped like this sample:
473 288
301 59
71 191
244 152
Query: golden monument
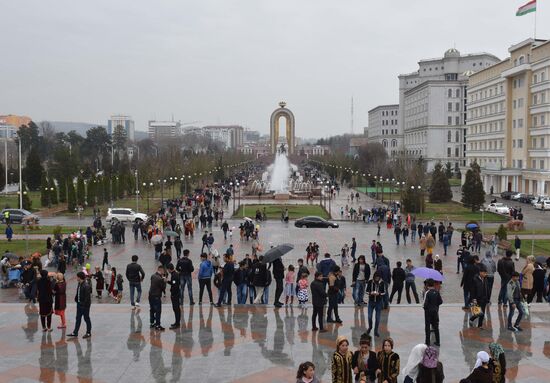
282 111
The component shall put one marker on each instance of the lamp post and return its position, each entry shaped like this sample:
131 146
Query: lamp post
137 190
233 191
20 174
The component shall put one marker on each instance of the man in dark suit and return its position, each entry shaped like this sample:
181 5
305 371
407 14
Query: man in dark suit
319 299
83 299
174 283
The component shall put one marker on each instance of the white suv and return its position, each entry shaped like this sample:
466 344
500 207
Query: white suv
123 214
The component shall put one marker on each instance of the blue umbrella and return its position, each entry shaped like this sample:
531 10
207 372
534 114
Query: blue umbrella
472 226
427 273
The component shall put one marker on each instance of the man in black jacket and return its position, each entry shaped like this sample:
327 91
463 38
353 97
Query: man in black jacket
135 275
185 269
467 282
398 279
83 299
505 268
260 280
158 286
319 300
228 272
279 276
359 278
432 301
174 283
480 294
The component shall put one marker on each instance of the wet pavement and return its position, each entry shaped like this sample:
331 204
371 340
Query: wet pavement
246 344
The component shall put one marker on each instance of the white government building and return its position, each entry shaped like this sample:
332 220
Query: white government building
509 120
384 128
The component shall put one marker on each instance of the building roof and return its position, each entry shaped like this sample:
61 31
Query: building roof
387 106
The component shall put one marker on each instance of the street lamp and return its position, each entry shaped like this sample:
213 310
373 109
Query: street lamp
233 189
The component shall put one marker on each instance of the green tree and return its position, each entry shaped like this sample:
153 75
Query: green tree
440 190
91 191
53 192
62 187
448 170
32 173
44 192
71 196
27 203
30 138
114 189
120 138
106 185
412 199
2 176
80 191
473 195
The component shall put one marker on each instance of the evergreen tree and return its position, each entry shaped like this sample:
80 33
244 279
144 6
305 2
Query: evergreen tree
106 186
80 191
412 200
114 190
44 192
91 191
473 195
53 192
62 187
27 203
440 190
32 173
71 196
448 170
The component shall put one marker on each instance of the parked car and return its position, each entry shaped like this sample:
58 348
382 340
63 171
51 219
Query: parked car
526 198
498 208
20 216
538 199
313 221
507 194
123 214
543 204
516 197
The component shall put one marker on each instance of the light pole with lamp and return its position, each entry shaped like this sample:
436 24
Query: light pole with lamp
137 190
233 194
20 174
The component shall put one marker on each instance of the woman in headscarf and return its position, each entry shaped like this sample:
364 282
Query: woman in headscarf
415 357
341 362
430 370
481 372
45 299
438 264
364 361
497 363
389 363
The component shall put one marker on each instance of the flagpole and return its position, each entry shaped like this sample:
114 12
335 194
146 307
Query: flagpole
535 24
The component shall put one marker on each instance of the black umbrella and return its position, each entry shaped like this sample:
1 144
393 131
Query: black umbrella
541 259
277 252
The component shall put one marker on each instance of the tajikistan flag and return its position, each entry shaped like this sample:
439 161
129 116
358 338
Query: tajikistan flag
527 8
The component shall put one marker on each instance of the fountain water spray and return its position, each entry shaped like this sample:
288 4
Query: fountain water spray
280 171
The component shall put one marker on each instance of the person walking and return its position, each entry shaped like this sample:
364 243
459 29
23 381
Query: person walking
261 281
185 270
241 282
227 274
45 299
105 261
516 302
491 268
505 268
83 299
360 276
517 246
290 287
341 362
467 282
539 276
135 275
479 295
205 278
178 244
353 249
497 363
432 301
158 286
410 284
376 289
60 294
319 300
398 278
411 369
174 282
397 233
279 276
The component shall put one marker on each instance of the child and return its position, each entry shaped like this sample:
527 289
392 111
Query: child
105 259
290 290
303 295
119 283
230 234
60 305
345 251
100 282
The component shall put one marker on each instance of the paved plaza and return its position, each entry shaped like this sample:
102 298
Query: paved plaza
246 344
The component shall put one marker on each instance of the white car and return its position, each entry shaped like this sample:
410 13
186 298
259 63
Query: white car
543 204
515 197
538 199
123 214
498 208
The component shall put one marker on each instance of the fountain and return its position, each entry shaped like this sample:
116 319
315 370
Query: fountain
280 172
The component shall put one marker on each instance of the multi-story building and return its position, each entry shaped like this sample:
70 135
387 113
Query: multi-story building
231 136
432 106
384 128
125 121
9 125
509 120
159 130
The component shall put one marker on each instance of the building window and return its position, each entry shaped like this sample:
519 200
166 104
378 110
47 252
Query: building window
457 120
385 143
513 143
449 136
449 120
520 143
449 152
450 93
457 136
514 123
457 107
520 164
533 164
449 107
520 122
542 142
456 152
514 104
542 120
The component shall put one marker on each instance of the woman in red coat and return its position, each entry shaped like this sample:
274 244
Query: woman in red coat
60 305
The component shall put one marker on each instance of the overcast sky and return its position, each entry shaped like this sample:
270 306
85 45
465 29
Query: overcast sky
232 61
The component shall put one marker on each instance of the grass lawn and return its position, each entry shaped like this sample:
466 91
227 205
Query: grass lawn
42 229
452 211
12 201
18 247
541 247
274 211
454 182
